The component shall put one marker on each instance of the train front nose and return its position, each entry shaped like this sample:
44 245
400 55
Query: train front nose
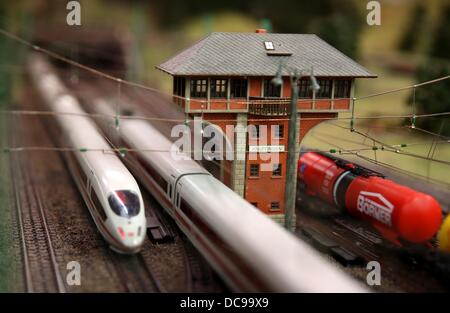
130 226
132 236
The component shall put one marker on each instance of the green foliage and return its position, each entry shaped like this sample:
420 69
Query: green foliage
411 36
441 44
433 98
338 31
5 85
337 22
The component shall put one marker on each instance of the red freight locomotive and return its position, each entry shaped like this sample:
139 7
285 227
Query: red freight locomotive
395 210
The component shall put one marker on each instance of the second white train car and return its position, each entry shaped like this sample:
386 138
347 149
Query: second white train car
249 251
108 188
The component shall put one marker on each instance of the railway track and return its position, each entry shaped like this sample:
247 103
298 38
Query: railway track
199 276
41 269
40 237
353 244
159 228
135 274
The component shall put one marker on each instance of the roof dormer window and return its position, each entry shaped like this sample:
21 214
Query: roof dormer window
269 45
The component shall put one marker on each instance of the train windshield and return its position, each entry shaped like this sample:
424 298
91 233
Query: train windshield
124 203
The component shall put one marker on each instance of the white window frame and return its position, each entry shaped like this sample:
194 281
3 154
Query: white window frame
269 45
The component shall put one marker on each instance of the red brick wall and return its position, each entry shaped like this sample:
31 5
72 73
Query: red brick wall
255 86
266 188
323 104
309 120
218 104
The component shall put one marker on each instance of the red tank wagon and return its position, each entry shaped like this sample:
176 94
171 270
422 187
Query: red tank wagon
395 210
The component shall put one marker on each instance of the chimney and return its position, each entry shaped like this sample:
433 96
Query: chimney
261 31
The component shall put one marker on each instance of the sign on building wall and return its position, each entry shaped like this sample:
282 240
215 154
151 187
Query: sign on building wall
266 149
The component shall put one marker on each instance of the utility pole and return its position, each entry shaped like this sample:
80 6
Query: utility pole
292 157
291 165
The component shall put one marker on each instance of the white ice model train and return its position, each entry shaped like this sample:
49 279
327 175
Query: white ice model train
108 188
248 250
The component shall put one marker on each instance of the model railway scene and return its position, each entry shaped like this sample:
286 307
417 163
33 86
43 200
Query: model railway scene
181 151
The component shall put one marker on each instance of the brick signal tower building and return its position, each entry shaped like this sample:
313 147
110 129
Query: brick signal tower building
226 78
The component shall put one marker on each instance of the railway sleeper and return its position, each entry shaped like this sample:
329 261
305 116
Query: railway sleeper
346 257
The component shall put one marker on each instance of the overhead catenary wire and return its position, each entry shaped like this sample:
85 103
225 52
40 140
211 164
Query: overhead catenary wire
125 150
383 145
99 73
120 81
400 170
145 87
118 150
445 139
397 149
433 81
431 133
399 145
344 151
148 118
380 145
64 59
433 143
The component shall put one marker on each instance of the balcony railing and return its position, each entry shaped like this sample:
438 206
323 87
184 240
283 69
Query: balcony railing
265 106
268 106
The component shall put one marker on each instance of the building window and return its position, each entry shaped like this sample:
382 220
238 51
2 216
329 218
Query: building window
218 88
199 88
254 131
278 131
179 86
254 170
342 88
325 89
274 206
238 88
271 90
276 171
269 45
304 89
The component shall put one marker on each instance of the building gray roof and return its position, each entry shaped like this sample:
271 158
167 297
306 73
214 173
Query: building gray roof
244 54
